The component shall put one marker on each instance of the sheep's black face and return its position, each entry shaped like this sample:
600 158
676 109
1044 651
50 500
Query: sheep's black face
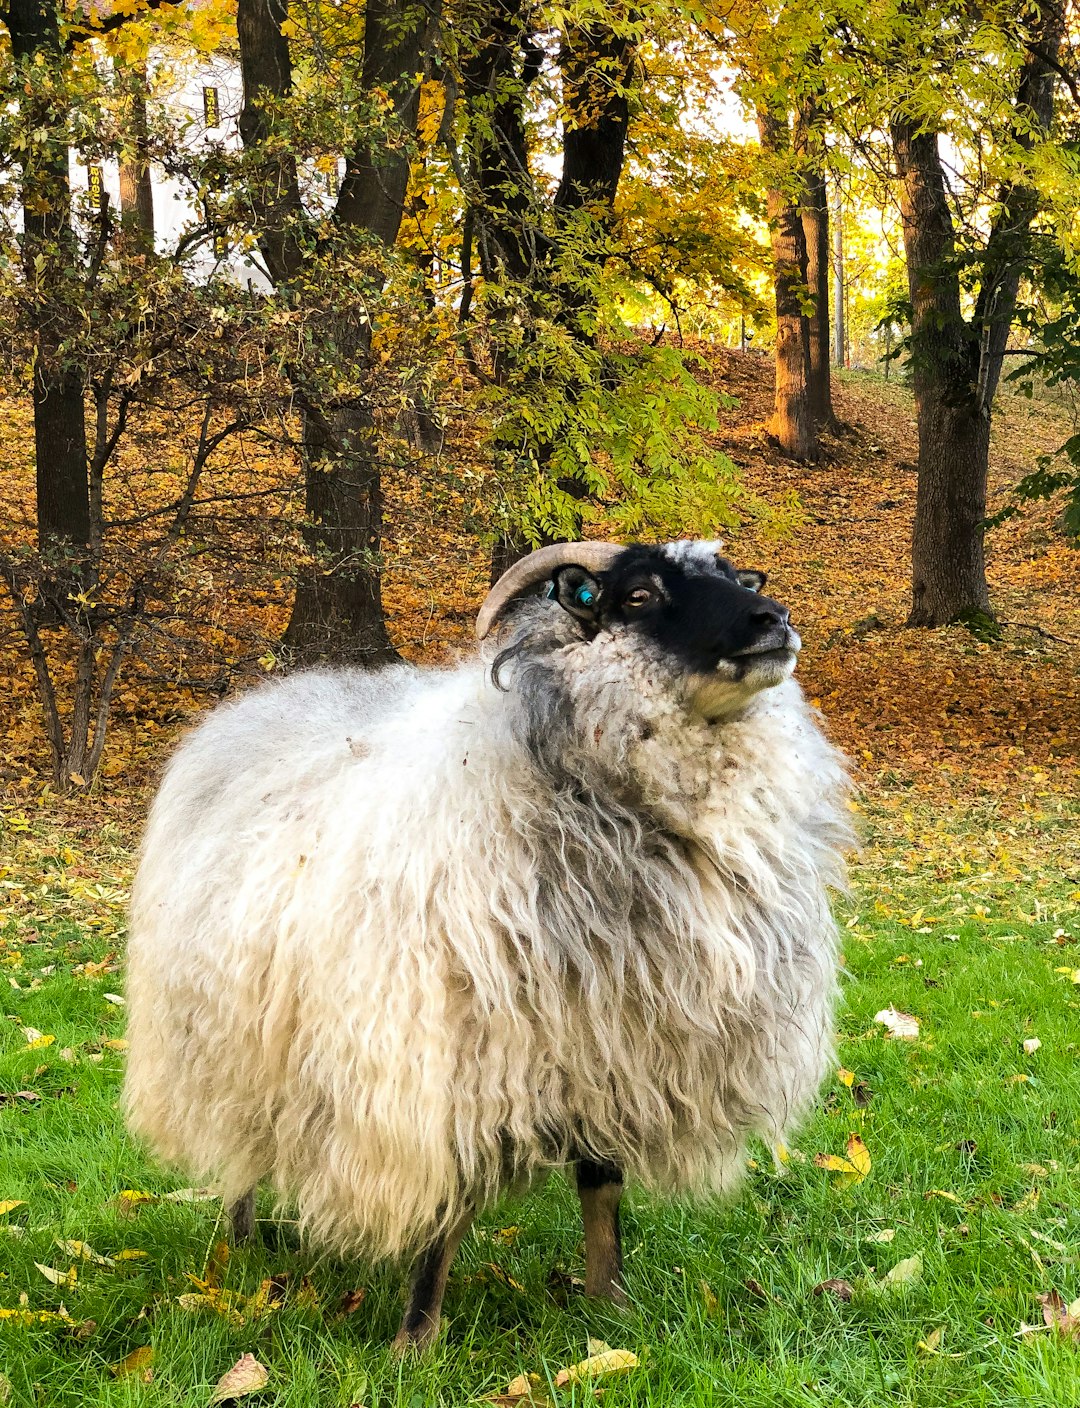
710 621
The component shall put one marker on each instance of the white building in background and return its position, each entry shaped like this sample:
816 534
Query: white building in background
175 207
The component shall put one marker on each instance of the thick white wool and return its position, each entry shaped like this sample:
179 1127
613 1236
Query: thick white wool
382 959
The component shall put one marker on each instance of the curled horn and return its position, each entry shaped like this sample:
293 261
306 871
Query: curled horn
538 567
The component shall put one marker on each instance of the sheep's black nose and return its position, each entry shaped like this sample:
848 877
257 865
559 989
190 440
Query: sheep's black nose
770 613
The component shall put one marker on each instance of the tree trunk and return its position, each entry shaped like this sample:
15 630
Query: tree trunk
792 422
337 610
49 253
815 220
839 331
948 572
136 191
956 365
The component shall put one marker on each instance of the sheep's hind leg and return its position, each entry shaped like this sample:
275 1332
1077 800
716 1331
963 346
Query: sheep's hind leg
423 1314
600 1188
242 1218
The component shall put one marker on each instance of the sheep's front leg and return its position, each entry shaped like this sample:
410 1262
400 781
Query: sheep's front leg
242 1218
600 1188
423 1314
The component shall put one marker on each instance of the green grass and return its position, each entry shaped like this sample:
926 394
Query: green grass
947 1114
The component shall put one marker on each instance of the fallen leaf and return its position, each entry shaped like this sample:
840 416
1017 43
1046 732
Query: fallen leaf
1059 1316
351 1302
115 1043
711 1299
526 1389
932 1342
189 1195
903 1273
846 1077
503 1277
247 1375
943 1193
901 1025
29 1097
611 1361
69 1278
35 1039
882 1238
114 998
83 1251
842 1290
22 1316
1029 1202
137 1362
130 1254
852 1169
11 1204
129 1201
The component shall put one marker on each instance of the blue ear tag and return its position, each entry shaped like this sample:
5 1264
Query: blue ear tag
584 596
550 593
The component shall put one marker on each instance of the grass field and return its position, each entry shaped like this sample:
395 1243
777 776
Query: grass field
974 1173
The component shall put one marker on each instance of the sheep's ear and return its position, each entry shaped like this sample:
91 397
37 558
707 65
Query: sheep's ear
577 592
754 580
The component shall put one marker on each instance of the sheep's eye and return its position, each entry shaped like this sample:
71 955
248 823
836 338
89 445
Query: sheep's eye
640 596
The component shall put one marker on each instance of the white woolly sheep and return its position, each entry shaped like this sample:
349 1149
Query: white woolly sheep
402 939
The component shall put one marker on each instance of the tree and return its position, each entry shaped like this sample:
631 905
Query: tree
957 360
338 609
793 423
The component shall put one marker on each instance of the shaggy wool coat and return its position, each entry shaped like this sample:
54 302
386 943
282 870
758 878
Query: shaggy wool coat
401 939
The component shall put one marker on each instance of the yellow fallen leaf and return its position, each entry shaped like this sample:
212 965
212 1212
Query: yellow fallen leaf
845 1077
1029 1202
903 1273
36 1317
130 1254
227 1304
852 1169
611 1361
882 1238
943 1193
711 1299
68 1279
932 1343
35 1039
503 1277
525 1389
247 1375
11 1204
1073 974
115 1043
83 1251
137 1362
129 1201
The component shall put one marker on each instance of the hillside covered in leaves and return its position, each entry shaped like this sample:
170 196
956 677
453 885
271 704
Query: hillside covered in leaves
943 714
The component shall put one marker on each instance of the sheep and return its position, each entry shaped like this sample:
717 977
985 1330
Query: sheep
402 940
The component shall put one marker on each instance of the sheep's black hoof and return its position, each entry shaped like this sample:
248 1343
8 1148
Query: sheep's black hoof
416 1339
242 1219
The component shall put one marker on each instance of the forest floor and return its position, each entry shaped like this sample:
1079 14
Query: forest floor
936 1267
